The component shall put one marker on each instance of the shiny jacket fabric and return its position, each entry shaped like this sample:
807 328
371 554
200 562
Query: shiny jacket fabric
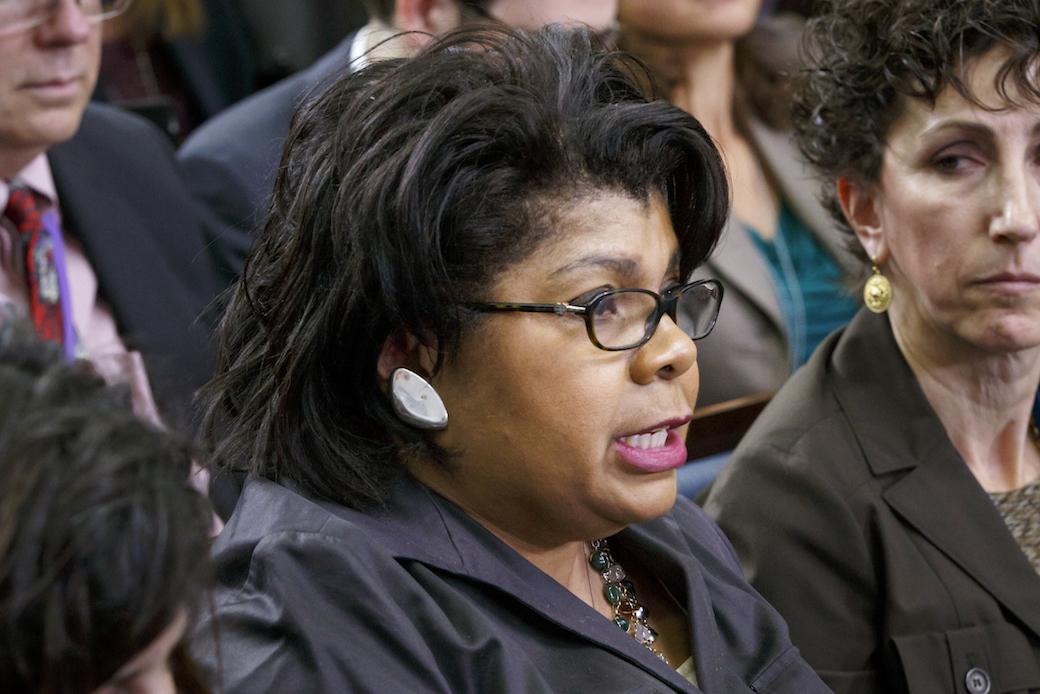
419 597
854 516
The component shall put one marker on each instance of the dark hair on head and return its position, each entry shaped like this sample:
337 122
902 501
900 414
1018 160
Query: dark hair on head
103 543
404 191
866 57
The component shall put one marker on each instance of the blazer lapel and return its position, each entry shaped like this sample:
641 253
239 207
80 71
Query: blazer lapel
937 493
800 188
738 261
681 576
968 529
128 265
467 548
741 267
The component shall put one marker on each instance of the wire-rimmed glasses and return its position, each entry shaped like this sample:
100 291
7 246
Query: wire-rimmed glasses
620 319
19 15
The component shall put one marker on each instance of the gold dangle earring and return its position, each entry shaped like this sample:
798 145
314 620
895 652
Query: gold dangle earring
877 292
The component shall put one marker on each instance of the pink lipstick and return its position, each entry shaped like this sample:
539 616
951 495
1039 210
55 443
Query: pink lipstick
654 451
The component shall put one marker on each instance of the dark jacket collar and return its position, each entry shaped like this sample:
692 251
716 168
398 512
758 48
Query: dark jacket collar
418 525
935 493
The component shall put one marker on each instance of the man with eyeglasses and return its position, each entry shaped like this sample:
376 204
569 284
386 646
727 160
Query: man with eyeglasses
231 161
101 244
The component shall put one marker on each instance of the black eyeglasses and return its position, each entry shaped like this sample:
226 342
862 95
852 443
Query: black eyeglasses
620 319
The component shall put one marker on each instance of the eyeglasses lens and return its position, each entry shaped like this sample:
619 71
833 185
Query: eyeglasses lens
621 319
698 308
624 318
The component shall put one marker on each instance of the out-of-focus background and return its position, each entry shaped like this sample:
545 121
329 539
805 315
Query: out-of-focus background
180 62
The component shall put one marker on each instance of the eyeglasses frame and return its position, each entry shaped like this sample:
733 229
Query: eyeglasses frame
666 304
53 5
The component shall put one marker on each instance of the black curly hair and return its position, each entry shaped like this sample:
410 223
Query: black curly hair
864 58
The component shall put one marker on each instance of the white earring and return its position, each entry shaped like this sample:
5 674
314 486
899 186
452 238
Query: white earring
416 402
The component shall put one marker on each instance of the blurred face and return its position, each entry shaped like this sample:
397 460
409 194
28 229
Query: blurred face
47 74
957 215
533 14
149 671
546 422
688 20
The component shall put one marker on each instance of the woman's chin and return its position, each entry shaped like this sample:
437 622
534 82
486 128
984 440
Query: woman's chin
1004 334
653 499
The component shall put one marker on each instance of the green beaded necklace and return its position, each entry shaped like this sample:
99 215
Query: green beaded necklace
621 595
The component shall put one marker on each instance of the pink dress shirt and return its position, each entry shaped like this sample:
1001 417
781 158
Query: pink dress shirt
95 326
98 336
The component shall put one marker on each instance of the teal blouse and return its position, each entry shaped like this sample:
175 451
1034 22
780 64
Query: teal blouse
807 283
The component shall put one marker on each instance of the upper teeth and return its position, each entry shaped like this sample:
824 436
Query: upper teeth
654 439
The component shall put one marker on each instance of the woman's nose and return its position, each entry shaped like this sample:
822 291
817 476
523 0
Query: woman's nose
1016 217
668 354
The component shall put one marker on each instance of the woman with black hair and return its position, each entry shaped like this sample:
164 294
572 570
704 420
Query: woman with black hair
457 369
886 502
103 541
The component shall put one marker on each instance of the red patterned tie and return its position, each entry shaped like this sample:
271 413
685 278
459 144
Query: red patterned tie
40 269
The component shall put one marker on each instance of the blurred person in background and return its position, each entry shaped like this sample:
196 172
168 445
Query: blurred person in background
781 258
176 62
103 543
231 162
101 244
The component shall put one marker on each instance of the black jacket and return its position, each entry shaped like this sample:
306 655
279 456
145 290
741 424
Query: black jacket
231 160
123 199
854 516
419 597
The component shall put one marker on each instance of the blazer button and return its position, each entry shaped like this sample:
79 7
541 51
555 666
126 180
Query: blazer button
977 680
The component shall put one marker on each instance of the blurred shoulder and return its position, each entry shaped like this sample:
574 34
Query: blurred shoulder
254 123
116 129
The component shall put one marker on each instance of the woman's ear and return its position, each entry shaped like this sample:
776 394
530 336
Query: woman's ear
403 349
860 204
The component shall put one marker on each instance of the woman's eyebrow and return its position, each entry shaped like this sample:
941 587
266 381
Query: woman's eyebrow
625 268
978 129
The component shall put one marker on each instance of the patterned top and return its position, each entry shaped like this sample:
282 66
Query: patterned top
1021 511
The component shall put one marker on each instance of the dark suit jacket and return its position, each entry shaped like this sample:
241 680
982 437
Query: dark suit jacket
856 518
231 161
218 68
215 69
419 597
747 352
122 197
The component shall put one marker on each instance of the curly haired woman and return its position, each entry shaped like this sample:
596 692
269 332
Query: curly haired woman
887 502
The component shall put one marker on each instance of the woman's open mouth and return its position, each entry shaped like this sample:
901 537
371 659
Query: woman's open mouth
654 451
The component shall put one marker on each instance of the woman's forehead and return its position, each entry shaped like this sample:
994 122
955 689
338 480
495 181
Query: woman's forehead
608 234
991 97
989 83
